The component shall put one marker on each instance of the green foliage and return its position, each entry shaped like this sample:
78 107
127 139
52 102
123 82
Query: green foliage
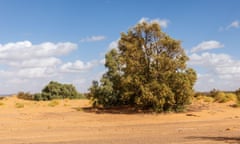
148 71
25 96
55 90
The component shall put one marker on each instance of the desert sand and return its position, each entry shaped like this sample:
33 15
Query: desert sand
67 122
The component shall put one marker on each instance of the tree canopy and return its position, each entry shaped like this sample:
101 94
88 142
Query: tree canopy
147 70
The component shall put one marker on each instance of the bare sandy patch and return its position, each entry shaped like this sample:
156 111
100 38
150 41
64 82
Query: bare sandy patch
67 123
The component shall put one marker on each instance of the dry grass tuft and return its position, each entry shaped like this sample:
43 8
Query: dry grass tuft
19 105
53 103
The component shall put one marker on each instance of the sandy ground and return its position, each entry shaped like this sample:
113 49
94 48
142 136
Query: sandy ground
28 122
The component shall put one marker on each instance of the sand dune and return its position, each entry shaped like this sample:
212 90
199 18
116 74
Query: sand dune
65 122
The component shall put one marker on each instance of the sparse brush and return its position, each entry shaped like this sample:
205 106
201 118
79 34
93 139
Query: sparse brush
238 104
222 97
1 103
231 97
19 105
25 96
205 98
53 103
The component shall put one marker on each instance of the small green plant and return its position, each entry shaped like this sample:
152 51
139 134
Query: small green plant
19 105
53 103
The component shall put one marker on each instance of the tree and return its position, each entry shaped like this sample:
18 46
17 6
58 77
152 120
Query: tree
237 92
148 71
107 94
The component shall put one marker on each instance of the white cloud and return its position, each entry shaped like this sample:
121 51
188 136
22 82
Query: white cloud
26 50
234 24
102 61
36 72
207 45
29 67
77 66
162 22
113 45
219 71
93 39
41 62
210 59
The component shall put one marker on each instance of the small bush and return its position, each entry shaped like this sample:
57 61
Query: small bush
19 105
25 96
222 97
1 103
55 90
231 96
37 97
207 99
53 103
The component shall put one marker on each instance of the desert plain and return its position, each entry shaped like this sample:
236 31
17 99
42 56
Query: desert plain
70 122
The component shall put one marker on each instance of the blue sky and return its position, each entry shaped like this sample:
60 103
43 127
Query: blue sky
66 40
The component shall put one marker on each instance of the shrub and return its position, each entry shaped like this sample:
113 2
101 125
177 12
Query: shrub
222 97
53 103
1 103
25 96
55 90
19 105
38 97
231 96
205 98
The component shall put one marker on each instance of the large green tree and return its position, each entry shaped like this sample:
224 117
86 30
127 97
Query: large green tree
147 70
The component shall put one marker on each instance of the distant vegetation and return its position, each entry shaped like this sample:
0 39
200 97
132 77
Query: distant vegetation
25 95
219 96
54 90
147 71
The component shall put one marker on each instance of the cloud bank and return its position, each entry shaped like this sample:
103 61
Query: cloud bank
207 45
28 67
93 39
215 70
234 24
